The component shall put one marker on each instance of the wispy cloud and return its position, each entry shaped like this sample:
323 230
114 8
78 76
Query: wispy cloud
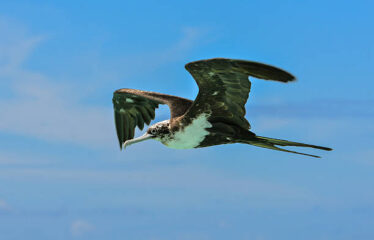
197 183
191 35
20 158
15 45
4 206
43 108
328 120
40 107
56 121
80 227
332 108
137 63
326 129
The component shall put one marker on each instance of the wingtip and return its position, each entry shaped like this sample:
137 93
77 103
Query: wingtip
322 148
292 78
283 76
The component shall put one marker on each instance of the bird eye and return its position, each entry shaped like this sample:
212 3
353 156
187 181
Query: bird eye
153 131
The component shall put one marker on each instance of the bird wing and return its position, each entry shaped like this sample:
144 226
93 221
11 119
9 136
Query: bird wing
224 88
135 107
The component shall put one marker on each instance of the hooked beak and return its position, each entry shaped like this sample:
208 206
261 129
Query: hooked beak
146 136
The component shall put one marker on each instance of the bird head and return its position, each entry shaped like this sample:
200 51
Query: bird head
159 129
156 131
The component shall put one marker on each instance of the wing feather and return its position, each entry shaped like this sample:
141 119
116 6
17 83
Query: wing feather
224 87
135 107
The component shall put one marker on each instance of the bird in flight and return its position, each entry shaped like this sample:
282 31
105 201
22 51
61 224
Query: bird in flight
217 116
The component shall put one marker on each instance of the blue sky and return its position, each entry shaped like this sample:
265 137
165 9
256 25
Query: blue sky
62 175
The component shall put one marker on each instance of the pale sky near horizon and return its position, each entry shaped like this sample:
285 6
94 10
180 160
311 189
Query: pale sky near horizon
62 175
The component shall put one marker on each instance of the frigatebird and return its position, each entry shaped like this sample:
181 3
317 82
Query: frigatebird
217 116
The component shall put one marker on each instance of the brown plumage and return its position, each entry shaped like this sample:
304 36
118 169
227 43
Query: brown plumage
217 116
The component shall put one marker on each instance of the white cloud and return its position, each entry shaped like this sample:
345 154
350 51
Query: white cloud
15 45
4 206
22 158
54 120
80 227
198 184
141 62
190 36
320 129
43 108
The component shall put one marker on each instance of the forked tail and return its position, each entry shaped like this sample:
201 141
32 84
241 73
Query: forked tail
272 143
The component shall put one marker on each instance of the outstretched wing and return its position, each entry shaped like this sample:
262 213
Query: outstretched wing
224 88
135 107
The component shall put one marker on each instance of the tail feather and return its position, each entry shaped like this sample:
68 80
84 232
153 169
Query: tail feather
271 143
281 142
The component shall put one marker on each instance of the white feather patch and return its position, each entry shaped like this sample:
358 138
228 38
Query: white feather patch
192 135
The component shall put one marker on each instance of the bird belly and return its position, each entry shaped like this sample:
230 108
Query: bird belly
191 135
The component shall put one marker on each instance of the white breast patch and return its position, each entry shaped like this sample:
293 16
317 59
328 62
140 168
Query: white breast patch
192 135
